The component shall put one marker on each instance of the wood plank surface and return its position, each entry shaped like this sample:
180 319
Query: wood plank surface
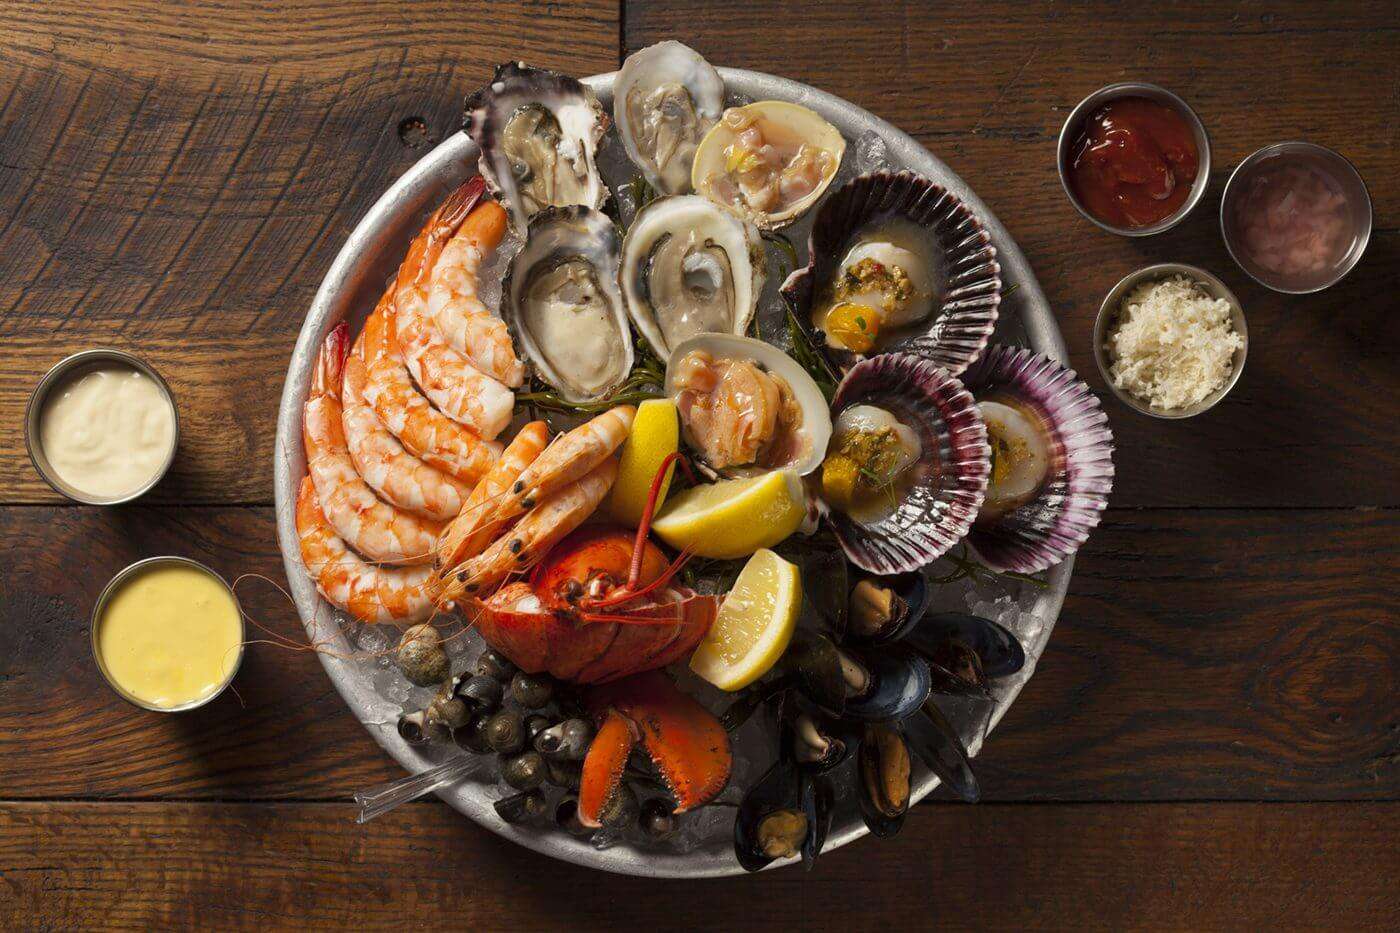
987 86
177 178
1180 667
1042 867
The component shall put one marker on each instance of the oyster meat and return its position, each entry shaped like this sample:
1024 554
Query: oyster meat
768 161
538 132
689 267
666 99
562 301
745 404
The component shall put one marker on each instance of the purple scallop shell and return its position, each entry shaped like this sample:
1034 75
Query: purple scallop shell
961 325
938 509
1048 529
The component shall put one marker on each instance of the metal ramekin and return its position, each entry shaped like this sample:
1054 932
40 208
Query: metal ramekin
1358 199
1108 312
106 596
1103 95
69 368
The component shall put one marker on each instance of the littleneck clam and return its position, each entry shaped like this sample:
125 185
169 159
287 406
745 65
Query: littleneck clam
538 132
561 300
1051 460
666 99
690 267
745 404
768 161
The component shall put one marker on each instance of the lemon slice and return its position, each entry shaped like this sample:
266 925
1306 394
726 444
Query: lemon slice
754 624
654 436
733 518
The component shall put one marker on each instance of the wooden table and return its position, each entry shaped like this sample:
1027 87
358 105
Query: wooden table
1212 738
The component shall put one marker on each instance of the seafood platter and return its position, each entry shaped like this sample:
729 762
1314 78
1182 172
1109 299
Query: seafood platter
678 472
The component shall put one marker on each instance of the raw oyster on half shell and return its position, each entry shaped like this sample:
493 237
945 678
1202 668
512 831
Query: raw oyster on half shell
666 99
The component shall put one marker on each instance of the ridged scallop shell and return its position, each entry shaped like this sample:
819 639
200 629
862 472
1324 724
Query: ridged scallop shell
1052 526
939 508
966 310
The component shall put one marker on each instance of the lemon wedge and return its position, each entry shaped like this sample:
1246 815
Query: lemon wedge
733 518
654 436
754 624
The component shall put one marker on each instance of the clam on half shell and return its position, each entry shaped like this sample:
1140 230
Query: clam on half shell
666 99
538 132
561 299
690 267
768 161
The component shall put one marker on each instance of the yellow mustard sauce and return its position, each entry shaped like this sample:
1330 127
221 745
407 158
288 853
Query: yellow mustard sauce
169 636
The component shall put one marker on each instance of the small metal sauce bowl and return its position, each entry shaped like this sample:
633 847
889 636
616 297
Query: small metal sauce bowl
111 588
1070 131
68 368
1108 314
1353 188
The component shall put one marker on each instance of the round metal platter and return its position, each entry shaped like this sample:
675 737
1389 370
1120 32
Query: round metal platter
372 253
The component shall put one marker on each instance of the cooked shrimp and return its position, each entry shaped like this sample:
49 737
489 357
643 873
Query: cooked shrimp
461 391
400 478
467 535
376 529
547 523
424 431
453 307
564 461
378 595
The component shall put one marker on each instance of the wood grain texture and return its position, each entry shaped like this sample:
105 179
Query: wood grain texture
1180 668
986 87
1201 867
178 177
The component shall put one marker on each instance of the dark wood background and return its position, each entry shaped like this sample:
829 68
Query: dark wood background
1212 738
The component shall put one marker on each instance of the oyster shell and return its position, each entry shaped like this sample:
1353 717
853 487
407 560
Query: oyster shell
768 161
690 267
1052 460
897 264
936 498
538 132
561 300
666 99
746 404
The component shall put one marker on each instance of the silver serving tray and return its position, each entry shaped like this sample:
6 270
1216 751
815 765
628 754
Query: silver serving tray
350 289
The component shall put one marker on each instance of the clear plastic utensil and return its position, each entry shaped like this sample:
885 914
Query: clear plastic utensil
380 799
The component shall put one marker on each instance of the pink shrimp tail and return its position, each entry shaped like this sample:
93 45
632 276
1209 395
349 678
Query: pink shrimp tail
332 361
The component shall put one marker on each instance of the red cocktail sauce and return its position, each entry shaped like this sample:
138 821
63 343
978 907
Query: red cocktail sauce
1134 162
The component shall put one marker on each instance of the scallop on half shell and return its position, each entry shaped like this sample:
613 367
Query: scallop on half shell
1051 460
898 263
768 161
906 469
561 300
538 132
690 267
666 99
745 405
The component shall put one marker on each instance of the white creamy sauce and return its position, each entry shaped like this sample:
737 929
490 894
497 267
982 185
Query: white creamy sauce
108 432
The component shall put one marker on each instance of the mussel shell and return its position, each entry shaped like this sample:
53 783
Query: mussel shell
514 85
1052 526
965 311
999 651
939 507
819 805
937 744
780 788
913 590
814 663
882 816
902 685
842 738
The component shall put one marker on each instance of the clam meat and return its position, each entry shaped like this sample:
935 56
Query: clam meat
768 161
746 404
666 99
562 301
538 132
689 267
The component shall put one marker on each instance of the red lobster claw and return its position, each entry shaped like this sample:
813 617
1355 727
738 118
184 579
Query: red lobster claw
686 743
